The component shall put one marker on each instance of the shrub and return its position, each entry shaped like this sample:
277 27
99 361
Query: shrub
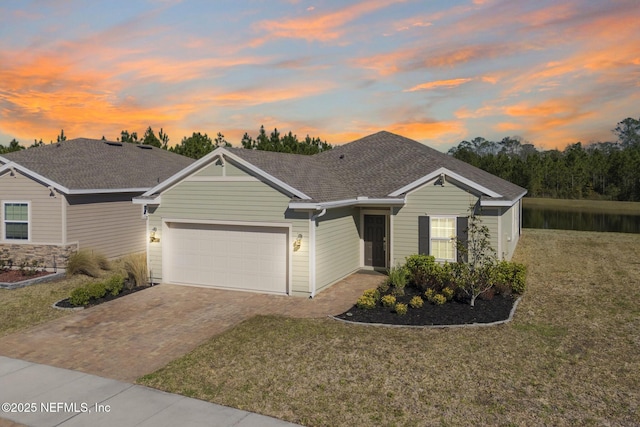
372 293
96 290
429 293
83 262
438 299
79 297
114 285
397 279
420 269
136 267
388 300
448 293
509 277
366 303
400 309
102 261
416 302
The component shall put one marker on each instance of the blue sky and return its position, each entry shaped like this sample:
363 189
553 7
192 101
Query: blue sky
550 72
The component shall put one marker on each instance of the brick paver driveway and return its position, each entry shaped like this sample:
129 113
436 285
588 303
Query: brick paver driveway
132 336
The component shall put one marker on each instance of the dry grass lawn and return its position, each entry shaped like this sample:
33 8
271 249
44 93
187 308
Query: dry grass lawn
25 307
570 357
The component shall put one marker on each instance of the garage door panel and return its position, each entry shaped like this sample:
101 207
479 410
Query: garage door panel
228 256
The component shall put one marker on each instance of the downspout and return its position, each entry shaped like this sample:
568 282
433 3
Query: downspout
312 250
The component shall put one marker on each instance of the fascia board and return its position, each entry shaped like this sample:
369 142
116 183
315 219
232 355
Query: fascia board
346 202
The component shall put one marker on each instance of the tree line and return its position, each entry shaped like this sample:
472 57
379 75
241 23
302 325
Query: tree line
600 170
199 145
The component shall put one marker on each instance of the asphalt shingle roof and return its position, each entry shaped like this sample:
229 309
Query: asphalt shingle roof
88 164
373 166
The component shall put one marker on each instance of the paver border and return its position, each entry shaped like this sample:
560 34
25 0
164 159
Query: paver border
28 282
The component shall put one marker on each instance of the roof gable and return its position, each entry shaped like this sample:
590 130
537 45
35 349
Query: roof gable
81 166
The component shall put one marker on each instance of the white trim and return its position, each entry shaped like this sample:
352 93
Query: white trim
221 151
225 178
64 220
146 200
166 243
312 251
500 236
390 238
359 201
496 203
4 221
449 173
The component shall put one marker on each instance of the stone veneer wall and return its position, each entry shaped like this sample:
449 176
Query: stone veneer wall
49 256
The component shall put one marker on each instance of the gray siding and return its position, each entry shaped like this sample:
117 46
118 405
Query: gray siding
337 246
251 201
109 224
428 200
46 210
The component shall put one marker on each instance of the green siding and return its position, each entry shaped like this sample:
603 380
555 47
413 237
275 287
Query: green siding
216 168
337 246
428 200
509 231
252 201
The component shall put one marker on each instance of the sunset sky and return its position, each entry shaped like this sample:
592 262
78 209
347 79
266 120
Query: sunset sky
550 72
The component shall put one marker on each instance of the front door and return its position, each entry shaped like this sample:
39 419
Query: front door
374 241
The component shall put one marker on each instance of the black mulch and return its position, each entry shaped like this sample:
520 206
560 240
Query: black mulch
126 291
451 313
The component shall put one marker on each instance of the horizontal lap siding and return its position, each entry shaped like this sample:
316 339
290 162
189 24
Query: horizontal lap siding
109 224
428 200
250 201
211 170
46 210
337 246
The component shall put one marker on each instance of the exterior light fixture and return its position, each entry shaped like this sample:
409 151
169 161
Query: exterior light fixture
152 236
297 243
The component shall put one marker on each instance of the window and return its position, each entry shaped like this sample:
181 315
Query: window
16 220
443 238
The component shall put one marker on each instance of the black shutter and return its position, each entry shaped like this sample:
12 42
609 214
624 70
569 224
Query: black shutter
462 226
423 235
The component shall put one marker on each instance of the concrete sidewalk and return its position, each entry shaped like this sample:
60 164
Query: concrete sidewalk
60 397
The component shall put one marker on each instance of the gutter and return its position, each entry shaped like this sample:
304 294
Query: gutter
358 201
312 250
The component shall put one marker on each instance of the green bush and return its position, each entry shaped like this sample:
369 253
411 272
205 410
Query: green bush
388 300
397 280
400 309
114 284
429 293
96 290
372 293
509 277
438 299
420 269
416 302
79 296
366 302
448 293
83 262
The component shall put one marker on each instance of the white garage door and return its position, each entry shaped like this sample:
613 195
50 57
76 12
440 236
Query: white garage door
227 256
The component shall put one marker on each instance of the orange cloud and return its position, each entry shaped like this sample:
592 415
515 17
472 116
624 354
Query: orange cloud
446 84
325 27
265 95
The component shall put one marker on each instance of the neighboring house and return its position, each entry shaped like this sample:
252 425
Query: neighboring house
292 224
58 198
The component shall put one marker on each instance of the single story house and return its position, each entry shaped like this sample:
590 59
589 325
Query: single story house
58 198
293 224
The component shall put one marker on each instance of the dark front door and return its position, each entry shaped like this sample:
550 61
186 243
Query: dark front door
374 240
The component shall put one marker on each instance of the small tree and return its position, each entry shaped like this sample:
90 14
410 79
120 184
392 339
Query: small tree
475 275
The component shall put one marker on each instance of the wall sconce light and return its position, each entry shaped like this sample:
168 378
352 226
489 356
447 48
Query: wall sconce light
440 180
152 236
12 171
297 243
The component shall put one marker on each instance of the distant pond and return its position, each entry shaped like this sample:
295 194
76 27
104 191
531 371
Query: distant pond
583 220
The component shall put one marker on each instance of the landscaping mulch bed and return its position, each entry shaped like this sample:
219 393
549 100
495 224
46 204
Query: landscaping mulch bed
13 276
451 313
66 304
